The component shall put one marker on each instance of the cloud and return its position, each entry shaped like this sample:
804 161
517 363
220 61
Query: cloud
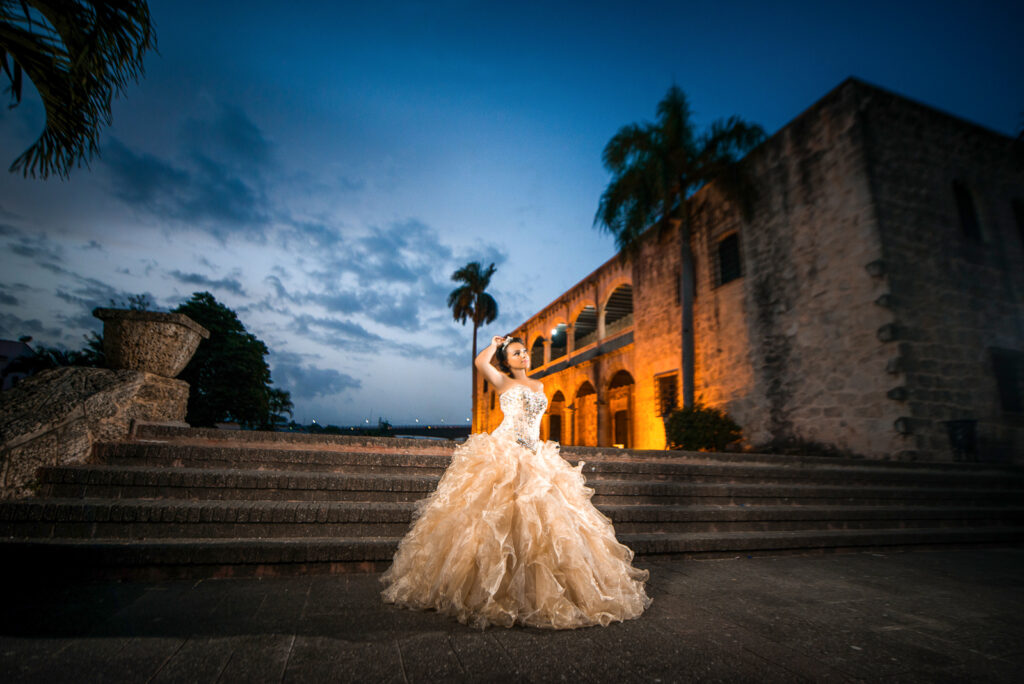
217 185
232 135
306 381
38 247
8 300
334 332
12 327
228 284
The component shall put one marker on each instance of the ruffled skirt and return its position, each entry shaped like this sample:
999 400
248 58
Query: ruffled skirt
511 536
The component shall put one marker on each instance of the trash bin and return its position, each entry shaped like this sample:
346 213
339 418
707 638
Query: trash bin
963 437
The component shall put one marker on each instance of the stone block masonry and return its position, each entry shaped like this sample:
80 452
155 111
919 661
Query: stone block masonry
879 296
55 417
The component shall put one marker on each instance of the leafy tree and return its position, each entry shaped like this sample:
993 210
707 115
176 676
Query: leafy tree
228 375
700 428
280 404
656 170
469 301
134 302
79 55
45 358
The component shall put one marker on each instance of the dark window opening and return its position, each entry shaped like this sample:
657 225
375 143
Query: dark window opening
667 393
555 428
1018 215
618 310
1008 366
965 207
728 262
537 353
559 341
585 328
622 428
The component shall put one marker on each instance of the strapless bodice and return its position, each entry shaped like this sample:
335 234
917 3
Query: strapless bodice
523 410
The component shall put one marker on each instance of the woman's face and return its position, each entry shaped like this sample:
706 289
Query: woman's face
518 357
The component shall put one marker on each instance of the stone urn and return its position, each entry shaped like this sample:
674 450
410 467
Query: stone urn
151 341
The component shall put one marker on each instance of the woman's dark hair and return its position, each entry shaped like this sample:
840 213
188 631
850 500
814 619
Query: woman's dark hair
502 355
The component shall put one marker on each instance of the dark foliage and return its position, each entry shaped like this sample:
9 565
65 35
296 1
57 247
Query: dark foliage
229 376
701 428
44 358
79 55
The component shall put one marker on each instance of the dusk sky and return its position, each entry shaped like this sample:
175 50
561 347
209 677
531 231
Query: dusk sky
323 167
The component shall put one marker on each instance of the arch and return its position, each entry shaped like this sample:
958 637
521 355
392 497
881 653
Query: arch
586 388
537 353
613 284
620 379
559 341
556 411
585 429
618 309
620 408
585 327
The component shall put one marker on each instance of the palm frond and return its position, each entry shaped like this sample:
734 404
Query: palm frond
79 55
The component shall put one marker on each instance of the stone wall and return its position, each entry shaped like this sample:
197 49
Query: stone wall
56 416
862 317
791 349
954 297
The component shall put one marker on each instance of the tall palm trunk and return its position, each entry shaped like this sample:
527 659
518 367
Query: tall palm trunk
686 297
473 420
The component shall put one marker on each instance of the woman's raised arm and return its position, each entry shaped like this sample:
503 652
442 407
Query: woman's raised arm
483 364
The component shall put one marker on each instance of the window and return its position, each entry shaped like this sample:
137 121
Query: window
559 341
1018 215
728 266
555 428
965 206
1008 366
537 353
666 393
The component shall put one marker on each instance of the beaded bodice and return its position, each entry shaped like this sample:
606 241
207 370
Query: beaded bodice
523 409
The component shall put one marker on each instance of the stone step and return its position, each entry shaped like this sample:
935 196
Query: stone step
260 457
227 557
166 434
803 541
267 458
122 482
157 433
167 518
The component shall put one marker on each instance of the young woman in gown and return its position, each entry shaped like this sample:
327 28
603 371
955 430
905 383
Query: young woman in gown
510 535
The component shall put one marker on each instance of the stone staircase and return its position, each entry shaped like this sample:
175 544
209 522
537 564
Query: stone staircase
194 502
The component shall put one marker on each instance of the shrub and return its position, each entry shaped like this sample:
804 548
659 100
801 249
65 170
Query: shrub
700 428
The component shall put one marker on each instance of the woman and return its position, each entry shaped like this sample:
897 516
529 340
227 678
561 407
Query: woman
510 535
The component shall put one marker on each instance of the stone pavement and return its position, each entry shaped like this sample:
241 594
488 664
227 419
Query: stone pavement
949 615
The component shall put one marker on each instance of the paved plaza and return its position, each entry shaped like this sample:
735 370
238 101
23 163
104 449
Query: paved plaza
928 616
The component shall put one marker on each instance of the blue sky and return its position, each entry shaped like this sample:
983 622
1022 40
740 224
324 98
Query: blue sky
322 168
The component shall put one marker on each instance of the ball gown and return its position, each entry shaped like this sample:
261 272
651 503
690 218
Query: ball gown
510 536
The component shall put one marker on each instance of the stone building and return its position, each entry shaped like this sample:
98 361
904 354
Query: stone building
874 299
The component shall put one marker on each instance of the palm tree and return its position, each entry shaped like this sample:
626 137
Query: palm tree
79 55
469 301
656 170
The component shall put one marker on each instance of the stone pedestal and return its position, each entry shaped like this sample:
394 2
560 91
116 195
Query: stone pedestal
55 417
150 341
